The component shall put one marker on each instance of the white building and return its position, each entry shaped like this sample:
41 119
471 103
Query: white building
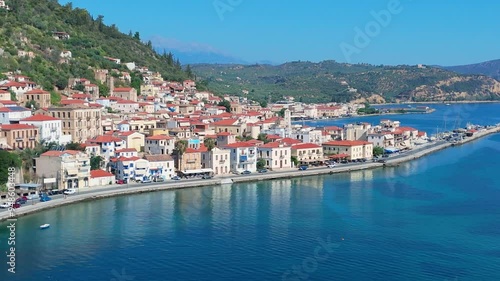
243 156
50 128
308 135
276 154
109 145
160 166
13 114
131 168
125 106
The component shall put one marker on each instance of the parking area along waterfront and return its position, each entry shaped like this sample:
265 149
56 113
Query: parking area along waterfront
121 190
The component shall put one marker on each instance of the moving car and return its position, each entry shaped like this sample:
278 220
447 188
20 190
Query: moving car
70 191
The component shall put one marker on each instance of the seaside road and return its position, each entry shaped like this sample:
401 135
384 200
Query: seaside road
93 193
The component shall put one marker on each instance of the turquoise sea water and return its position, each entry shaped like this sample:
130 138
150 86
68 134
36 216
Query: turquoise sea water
436 218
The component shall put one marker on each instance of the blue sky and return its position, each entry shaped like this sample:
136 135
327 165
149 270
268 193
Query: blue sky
444 32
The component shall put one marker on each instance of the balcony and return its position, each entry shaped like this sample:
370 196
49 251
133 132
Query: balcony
53 129
191 161
32 138
19 139
282 157
222 161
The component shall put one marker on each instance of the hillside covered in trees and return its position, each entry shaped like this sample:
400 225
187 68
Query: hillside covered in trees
328 81
29 43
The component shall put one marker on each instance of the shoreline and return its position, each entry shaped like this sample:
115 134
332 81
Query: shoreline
417 152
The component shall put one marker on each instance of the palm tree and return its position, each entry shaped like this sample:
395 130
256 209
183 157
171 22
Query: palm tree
209 143
180 148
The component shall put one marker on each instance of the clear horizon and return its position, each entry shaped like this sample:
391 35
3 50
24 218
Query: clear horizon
389 32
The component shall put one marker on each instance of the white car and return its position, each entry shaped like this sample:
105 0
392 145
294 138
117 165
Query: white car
70 191
33 197
332 165
5 205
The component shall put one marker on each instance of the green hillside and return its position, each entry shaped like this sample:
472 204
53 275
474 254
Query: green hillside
30 24
329 81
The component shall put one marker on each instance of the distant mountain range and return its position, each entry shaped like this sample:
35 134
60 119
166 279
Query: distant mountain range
489 68
329 81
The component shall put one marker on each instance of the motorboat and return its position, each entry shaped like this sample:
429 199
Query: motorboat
44 226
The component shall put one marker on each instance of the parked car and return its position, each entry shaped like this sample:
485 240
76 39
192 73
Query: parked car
21 200
303 167
146 181
176 178
5 205
159 179
206 177
45 198
70 191
381 161
332 165
32 197
121 181
16 205
263 171
247 172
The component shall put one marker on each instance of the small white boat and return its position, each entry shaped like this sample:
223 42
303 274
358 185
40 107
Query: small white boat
448 104
44 226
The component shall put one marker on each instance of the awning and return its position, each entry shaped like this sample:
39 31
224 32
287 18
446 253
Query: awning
72 171
338 156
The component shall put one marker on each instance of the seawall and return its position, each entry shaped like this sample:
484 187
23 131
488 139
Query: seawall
121 191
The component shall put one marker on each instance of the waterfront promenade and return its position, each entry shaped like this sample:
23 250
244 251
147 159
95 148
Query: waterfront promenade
121 190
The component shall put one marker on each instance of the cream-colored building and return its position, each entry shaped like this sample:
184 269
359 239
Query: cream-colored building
19 135
40 97
355 149
67 169
308 153
219 160
125 93
79 121
132 139
159 145
277 155
233 126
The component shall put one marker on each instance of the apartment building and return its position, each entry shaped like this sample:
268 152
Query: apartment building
49 128
308 153
159 144
219 160
353 150
39 96
79 121
276 154
67 169
19 135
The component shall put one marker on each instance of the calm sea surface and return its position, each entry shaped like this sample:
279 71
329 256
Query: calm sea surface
436 218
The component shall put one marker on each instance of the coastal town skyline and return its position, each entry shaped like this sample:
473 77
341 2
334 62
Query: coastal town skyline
389 32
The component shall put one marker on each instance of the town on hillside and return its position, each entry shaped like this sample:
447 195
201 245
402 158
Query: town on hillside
172 131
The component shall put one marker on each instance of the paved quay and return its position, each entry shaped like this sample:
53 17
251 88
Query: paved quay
88 194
